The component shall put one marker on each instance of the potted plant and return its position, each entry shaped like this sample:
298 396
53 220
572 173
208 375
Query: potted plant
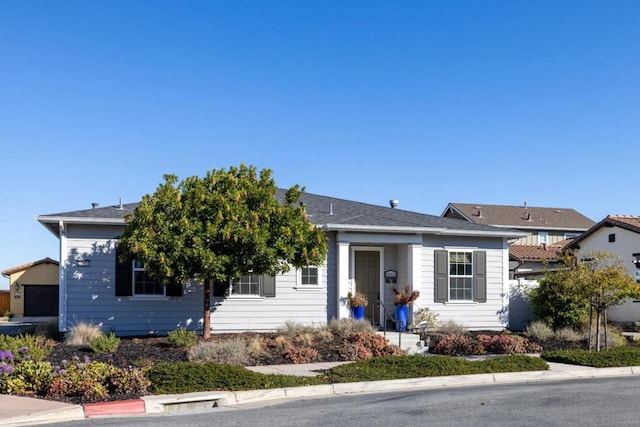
403 299
357 302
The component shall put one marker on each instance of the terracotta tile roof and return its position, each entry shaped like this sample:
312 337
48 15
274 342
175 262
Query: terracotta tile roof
534 252
23 267
521 216
628 222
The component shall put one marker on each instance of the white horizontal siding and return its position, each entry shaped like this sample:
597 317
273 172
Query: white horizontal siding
474 316
91 297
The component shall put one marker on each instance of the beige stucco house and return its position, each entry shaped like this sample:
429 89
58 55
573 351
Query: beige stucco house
33 288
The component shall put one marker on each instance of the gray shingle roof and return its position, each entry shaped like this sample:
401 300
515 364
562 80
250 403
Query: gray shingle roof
521 216
328 212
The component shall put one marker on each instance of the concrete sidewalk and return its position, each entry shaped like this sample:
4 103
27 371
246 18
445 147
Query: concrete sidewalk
30 411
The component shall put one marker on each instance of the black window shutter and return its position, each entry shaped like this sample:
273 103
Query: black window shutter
220 289
480 276
268 286
124 276
441 276
174 290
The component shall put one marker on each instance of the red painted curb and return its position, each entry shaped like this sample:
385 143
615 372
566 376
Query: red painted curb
119 407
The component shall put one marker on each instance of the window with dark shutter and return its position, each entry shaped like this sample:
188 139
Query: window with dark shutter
268 286
441 276
124 276
220 289
480 276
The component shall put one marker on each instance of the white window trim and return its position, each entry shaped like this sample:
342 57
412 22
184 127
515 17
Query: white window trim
144 297
299 286
543 237
449 276
245 297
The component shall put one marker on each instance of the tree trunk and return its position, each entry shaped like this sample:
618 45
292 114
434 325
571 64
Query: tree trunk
597 329
606 341
590 324
206 320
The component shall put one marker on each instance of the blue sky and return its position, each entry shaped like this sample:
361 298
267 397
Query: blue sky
428 102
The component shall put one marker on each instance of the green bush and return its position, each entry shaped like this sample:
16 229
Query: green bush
27 376
553 303
417 366
104 344
182 337
186 377
27 346
613 357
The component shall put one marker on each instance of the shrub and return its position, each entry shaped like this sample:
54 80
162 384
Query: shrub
105 344
232 352
425 315
507 344
187 377
26 346
416 366
342 328
458 345
613 357
450 327
27 376
292 329
306 338
370 345
553 303
81 334
568 335
256 348
129 382
539 330
301 354
182 337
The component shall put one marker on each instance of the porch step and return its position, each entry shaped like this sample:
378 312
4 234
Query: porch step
407 341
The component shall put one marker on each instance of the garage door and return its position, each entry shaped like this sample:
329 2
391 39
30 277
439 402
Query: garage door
40 300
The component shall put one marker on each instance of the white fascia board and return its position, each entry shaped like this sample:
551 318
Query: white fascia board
423 230
81 220
533 227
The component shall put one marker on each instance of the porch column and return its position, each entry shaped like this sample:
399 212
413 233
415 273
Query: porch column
414 257
344 286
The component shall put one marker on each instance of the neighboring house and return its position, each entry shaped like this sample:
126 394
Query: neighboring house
460 269
33 288
619 235
548 231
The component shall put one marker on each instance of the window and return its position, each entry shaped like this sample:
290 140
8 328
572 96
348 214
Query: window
309 276
143 284
571 235
133 281
460 276
543 237
612 237
254 285
248 284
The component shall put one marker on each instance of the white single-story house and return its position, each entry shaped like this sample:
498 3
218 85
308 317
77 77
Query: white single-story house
460 268
619 235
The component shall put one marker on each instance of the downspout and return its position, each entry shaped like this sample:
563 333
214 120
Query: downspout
62 278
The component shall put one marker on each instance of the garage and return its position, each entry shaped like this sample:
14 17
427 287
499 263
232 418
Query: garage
41 300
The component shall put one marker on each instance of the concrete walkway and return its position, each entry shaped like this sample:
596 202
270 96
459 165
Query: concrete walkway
30 411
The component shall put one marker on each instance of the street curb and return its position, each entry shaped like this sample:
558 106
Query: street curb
118 407
206 400
73 413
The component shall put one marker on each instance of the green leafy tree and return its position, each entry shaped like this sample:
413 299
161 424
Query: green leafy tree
215 228
589 282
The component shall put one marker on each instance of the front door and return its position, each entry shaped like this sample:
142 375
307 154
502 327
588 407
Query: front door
367 278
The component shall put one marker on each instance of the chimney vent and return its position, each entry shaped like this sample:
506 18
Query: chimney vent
393 203
94 205
330 208
529 216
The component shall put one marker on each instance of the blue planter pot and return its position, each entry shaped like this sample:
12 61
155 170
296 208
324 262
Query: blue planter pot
357 313
401 318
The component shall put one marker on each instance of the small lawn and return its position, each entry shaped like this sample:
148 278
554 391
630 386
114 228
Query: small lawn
610 358
191 377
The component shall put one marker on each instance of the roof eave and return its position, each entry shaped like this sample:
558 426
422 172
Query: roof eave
422 230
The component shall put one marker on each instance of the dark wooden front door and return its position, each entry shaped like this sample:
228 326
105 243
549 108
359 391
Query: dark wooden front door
367 277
